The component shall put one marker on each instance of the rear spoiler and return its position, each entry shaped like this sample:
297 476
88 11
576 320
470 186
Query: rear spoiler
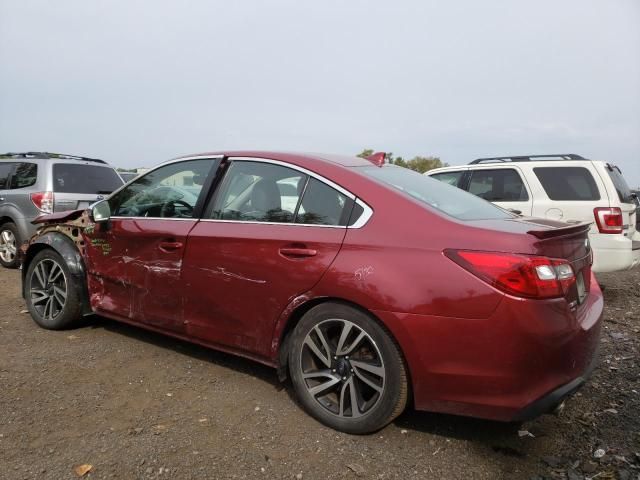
556 231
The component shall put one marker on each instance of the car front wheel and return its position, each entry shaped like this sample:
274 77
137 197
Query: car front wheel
346 369
51 292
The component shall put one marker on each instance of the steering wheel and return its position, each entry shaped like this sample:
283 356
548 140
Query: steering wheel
168 209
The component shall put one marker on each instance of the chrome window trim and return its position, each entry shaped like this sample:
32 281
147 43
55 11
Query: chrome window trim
362 220
284 224
155 218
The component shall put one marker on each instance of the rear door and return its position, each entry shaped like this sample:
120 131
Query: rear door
268 236
76 185
503 186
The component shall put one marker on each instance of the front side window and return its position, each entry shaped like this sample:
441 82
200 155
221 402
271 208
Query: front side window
5 170
499 185
25 175
85 179
265 192
170 191
445 198
450 178
568 183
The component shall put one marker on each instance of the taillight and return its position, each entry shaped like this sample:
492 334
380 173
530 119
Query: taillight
520 275
608 219
43 201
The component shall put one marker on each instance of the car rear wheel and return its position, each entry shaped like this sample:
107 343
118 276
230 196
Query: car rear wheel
51 292
346 369
9 243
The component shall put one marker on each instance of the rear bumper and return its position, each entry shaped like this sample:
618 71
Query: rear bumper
613 253
518 363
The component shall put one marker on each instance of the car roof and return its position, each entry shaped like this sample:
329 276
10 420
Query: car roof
297 158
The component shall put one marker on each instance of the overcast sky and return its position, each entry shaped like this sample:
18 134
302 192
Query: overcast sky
139 82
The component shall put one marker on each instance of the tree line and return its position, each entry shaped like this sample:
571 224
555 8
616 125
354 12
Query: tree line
417 163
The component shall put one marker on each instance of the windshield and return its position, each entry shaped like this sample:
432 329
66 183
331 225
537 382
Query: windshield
80 178
446 198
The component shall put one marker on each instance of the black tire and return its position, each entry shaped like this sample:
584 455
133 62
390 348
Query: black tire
370 371
46 276
8 231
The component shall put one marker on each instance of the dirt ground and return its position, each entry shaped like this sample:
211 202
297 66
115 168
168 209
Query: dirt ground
133 404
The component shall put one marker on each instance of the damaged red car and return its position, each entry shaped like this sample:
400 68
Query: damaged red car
367 284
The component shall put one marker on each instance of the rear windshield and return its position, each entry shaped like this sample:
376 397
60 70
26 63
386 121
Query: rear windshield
624 192
73 178
446 198
568 183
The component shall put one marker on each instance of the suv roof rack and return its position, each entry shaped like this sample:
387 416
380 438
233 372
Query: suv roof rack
63 156
528 158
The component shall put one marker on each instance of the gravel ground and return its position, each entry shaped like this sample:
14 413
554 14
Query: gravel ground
133 404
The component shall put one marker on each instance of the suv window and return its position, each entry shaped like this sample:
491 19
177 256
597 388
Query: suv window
5 170
445 198
499 185
568 183
452 178
170 191
264 192
620 184
80 178
24 175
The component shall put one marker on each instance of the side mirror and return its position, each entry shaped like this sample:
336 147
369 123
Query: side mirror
101 212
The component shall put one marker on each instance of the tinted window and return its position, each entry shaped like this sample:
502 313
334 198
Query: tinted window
322 205
500 185
258 192
5 170
80 178
620 184
568 183
446 198
25 175
452 178
171 191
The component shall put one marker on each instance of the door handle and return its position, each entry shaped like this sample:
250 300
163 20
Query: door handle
298 252
170 246
1 199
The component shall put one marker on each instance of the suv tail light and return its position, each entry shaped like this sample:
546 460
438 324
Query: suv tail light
608 219
43 201
520 275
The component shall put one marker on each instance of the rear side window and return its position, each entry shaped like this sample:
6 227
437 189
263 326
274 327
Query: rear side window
25 175
5 170
446 198
624 192
568 183
451 178
499 185
80 178
321 205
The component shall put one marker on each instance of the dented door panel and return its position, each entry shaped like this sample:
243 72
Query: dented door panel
134 270
239 277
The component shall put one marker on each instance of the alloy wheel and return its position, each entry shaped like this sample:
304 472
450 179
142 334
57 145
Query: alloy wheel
7 246
48 289
342 368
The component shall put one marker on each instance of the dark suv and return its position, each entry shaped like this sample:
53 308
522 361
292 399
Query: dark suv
34 183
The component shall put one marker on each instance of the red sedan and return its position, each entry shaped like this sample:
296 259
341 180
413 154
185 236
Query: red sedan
369 285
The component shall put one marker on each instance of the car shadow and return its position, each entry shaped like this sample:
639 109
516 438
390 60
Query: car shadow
183 347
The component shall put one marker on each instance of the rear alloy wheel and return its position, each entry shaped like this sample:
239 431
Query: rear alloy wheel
346 370
9 245
51 292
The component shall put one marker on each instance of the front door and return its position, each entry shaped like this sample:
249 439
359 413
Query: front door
269 235
134 262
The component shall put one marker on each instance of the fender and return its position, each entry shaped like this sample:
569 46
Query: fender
72 257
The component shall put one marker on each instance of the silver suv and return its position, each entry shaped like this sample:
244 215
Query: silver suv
34 183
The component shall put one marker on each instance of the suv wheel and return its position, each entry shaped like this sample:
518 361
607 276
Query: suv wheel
346 370
51 292
9 243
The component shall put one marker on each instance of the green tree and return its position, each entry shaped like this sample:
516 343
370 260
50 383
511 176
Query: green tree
365 153
419 164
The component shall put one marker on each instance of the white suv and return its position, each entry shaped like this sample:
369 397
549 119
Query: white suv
563 187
